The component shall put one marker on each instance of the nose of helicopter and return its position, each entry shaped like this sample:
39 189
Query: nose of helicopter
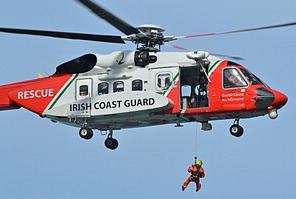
280 100
271 99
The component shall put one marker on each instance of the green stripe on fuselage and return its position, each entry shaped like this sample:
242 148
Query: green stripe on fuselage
211 68
63 91
171 83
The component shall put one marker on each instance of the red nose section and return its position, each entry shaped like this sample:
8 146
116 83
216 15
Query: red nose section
280 100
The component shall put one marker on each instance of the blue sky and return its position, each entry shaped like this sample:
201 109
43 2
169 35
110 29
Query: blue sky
40 159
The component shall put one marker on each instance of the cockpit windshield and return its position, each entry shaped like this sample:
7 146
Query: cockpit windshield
233 79
252 79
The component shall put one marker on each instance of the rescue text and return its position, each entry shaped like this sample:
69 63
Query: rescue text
40 93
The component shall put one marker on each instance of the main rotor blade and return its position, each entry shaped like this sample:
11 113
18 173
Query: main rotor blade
65 35
242 30
110 18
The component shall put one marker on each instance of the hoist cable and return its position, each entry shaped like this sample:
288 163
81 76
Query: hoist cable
195 154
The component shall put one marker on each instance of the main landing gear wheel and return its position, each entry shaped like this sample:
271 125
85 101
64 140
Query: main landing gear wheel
236 130
86 133
110 142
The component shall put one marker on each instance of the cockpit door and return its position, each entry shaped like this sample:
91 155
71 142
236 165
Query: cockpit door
234 95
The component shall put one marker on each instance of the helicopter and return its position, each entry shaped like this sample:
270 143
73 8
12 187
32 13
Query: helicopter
144 87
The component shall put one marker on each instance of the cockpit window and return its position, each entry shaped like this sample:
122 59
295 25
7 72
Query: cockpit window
233 79
253 79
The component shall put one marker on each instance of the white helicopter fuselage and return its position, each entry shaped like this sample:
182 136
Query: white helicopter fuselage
117 94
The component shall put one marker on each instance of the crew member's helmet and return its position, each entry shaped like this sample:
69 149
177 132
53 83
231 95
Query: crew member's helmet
198 162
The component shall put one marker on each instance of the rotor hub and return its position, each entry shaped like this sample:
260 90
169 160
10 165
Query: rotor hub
150 28
150 36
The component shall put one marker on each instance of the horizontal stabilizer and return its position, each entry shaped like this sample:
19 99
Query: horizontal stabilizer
5 101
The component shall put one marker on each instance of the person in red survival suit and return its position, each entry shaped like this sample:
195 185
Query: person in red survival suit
196 172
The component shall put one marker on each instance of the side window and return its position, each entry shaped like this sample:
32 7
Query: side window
137 85
103 88
186 91
233 79
83 90
163 81
118 86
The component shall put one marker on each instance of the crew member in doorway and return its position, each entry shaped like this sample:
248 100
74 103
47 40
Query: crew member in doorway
197 172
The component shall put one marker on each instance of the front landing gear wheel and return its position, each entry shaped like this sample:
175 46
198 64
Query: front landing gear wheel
86 133
111 143
236 130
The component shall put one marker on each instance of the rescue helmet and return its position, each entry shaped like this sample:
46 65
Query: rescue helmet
198 162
